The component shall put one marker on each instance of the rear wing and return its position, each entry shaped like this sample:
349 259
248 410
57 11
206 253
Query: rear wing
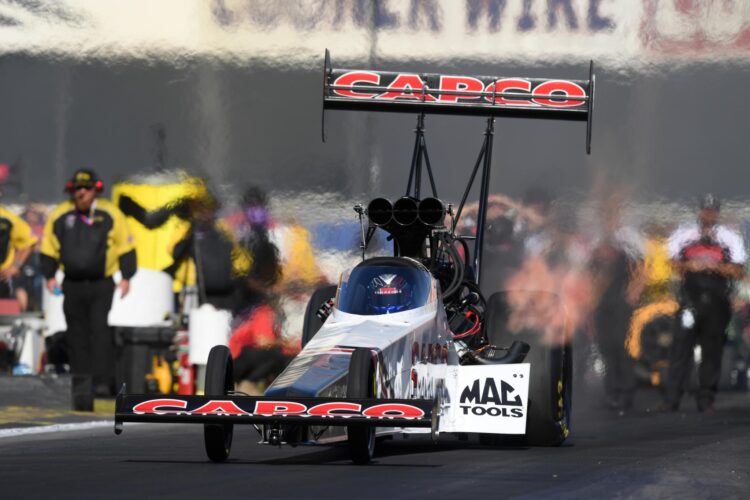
367 90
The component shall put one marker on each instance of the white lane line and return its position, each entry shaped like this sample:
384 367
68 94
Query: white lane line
44 429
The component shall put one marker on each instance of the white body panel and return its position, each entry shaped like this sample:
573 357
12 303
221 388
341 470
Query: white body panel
416 358
491 399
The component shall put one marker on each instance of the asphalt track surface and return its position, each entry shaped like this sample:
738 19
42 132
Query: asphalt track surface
640 455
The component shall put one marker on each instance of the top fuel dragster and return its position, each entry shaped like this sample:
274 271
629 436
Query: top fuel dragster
406 343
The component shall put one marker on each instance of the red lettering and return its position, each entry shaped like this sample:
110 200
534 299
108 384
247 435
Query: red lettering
278 408
564 88
328 409
220 408
353 78
459 84
409 87
507 84
153 406
705 252
393 410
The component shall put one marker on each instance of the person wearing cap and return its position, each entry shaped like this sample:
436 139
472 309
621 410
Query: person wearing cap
206 253
88 238
16 244
709 257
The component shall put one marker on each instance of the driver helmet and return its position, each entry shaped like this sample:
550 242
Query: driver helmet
389 293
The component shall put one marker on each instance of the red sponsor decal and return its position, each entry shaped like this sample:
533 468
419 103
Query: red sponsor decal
409 86
353 78
459 84
406 86
339 409
278 408
396 410
154 406
562 87
338 350
335 409
219 408
507 85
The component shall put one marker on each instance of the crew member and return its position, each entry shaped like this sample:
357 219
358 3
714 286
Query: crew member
256 342
708 257
16 243
89 239
614 267
206 253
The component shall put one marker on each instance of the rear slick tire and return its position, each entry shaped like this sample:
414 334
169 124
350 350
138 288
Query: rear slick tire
312 322
219 382
550 395
550 386
360 384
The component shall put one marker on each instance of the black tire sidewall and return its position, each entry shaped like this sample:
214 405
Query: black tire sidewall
219 382
312 323
546 424
359 385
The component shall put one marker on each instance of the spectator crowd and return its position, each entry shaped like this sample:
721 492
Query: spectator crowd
638 296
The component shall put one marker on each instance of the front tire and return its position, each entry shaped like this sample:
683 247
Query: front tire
360 384
219 382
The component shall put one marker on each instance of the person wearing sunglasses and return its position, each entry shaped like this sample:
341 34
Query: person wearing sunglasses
89 239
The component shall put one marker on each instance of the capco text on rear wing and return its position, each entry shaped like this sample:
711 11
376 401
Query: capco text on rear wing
409 92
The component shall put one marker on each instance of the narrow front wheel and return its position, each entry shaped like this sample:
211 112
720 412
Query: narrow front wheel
219 382
360 384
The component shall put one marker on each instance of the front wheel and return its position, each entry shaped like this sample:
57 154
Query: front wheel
219 382
360 384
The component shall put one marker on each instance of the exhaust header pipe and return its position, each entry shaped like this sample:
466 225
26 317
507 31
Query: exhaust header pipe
380 211
431 212
406 211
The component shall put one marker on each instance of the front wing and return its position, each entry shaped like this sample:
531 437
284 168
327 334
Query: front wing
235 409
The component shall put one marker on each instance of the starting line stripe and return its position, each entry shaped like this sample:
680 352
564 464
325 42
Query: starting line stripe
44 429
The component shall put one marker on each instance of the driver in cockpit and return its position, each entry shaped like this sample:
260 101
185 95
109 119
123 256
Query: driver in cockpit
389 293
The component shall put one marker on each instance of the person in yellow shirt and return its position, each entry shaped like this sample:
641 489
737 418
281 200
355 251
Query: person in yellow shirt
88 238
207 255
16 244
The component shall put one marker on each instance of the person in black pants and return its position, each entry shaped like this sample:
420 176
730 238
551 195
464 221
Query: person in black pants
708 256
89 238
615 266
